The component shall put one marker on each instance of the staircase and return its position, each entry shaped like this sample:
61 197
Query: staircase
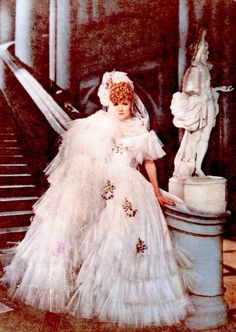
18 190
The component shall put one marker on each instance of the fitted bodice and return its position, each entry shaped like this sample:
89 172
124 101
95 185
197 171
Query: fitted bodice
132 150
123 152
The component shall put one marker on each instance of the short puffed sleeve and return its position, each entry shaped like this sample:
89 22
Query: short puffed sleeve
147 147
152 147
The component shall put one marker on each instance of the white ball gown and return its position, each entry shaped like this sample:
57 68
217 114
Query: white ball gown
98 245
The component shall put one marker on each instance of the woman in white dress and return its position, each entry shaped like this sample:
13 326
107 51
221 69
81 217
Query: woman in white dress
98 245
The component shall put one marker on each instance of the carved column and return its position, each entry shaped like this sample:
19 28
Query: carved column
110 7
23 33
60 42
52 40
31 35
83 12
7 30
7 21
63 44
96 10
227 113
183 30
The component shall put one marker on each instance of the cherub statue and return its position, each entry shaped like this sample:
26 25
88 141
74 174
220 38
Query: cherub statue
195 109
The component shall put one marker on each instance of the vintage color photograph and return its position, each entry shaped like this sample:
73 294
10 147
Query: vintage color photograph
117 165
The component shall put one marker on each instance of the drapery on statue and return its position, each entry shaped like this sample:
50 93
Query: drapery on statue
195 110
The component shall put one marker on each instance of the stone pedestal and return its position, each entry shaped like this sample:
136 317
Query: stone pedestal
200 235
176 187
201 194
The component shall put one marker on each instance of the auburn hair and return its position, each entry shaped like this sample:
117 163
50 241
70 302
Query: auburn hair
120 92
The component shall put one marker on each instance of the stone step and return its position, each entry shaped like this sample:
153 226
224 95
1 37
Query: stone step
12 159
10 150
8 135
8 236
18 190
8 128
6 254
21 178
8 124
17 203
15 218
9 142
14 168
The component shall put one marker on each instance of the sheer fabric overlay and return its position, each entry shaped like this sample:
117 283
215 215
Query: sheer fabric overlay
98 245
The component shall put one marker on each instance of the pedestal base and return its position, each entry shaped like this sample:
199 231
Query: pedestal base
200 236
210 312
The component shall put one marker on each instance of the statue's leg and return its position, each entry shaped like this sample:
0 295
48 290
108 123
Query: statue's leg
202 149
186 155
191 147
181 152
205 136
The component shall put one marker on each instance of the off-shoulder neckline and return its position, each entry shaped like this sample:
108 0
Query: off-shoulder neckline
137 136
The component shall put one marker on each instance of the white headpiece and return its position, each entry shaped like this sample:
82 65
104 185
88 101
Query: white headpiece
110 78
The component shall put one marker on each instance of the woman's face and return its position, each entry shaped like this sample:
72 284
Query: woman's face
123 110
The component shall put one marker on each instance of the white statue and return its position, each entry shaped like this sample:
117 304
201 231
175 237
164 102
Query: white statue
195 110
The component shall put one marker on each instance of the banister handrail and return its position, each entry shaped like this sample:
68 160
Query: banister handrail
55 115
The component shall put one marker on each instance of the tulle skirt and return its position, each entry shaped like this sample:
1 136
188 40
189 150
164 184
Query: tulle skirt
98 245
120 266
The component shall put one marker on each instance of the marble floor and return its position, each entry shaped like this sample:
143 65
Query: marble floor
25 319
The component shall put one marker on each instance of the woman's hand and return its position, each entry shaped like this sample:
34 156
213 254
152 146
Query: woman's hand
163 200
152 174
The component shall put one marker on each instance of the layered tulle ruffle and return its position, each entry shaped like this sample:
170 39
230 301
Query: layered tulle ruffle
98 244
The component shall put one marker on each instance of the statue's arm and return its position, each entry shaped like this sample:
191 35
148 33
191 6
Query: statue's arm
224 88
